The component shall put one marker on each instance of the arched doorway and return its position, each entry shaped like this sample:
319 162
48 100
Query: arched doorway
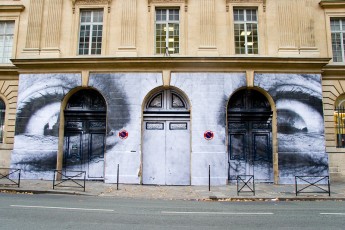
250 136
85 128
166 139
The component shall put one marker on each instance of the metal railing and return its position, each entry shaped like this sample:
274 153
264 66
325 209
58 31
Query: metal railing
69 179
11 176
245 183
313 184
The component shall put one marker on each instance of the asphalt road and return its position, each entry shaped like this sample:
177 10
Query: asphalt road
23 211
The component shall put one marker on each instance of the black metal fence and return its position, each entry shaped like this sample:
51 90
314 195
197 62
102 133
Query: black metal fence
71 179
312 184
10 176
245 183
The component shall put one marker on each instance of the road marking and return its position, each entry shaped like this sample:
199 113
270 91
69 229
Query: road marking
221 213
63 208
340 214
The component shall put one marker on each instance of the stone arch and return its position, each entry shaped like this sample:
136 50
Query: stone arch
9 93
158 90
333 94
269 107
83 113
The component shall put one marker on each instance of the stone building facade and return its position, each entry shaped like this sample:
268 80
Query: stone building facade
168 89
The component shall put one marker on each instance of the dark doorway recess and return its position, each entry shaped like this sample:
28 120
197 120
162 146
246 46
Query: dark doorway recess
85 128
250 136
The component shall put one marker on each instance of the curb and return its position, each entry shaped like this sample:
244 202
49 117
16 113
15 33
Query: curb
280 199
210 198
29 191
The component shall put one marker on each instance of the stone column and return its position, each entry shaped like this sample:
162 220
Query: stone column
33 36
207 28
51 43
128 28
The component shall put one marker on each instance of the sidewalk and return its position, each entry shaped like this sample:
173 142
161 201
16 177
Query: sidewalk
263 192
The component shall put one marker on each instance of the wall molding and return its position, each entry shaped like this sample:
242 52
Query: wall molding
12 8
263 2
167 3
91 2
333 4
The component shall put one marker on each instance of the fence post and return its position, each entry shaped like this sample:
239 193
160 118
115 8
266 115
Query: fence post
117 179
21 171
209 177
329 187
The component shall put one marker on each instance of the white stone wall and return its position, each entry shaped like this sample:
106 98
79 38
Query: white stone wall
126 153
208 94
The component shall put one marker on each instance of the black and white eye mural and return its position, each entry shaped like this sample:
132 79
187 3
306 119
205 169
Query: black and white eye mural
301 147
37 119
37 122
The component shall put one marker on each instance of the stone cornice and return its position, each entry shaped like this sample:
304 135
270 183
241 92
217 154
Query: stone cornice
12 8
263 2
167 2
333 72
8 72
90 2
176 64
332 4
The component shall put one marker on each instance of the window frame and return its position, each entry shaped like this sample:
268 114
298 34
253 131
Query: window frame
182 5
339 115
3 59
12 16
260 6
330 13
342 37
245 24
74 44
91 30
167 23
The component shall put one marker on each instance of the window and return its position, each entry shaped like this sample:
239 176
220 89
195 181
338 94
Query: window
246 31
2 120
338 39
90 35
167 31
6 40
339 119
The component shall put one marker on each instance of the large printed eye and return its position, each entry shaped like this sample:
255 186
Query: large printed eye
44 121
290 122
295 116
39 115
39 97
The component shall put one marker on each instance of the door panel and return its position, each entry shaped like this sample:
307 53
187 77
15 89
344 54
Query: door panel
73 154
250 153
262 157
166 153
237 148
261 150
96 155
84 152
177 168
154 153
